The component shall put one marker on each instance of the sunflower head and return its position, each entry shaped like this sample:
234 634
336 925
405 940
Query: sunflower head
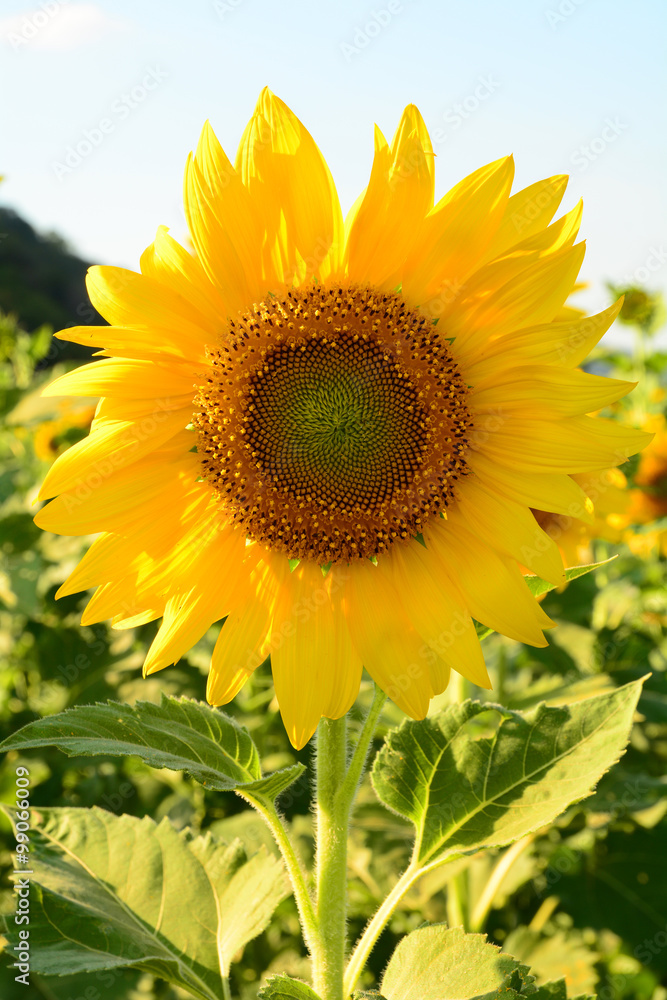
331 433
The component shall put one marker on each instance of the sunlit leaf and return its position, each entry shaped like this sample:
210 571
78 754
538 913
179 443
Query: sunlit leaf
464 793
441 963
284 988
117 891
179 733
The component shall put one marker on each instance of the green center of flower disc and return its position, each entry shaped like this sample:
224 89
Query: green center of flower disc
333 423
336 420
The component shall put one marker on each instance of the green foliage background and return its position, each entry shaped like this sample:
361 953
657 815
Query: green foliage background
586 898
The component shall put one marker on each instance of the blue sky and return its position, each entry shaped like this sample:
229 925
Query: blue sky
568 86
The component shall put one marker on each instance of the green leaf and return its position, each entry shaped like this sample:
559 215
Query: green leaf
110 891
179 733
558 991
440 963
273 785
551 991
538 586
368 995
463 793
284 988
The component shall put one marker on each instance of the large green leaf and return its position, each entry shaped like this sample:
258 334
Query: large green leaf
179 733
110 891
440 963
463 793
284 988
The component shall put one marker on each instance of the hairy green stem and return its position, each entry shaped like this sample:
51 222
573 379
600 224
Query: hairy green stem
382 916
357 766
457 901
337 784
226 991
377 924
331 859
297 877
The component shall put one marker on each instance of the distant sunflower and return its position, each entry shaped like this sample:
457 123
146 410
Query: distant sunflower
331 434
606 517
72 424
647 500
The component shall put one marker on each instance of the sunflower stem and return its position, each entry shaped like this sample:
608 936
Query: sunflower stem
331 859
383 915
377 924
297 878
355 772
457 901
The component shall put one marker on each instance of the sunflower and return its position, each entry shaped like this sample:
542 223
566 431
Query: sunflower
53 436
647 500
331 433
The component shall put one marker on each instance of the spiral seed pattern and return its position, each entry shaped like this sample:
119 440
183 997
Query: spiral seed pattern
333 423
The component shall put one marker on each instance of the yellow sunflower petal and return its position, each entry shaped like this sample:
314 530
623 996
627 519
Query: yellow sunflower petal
532 297
398 197
224 224
305 656
116 444
126 378
168 262
430 603
286 174
243 643
494 590
455 233
125 297
207 591
566 344
546 391
575 444
137 342
528 212
110 498
543 491
510 528
390 648
559 234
